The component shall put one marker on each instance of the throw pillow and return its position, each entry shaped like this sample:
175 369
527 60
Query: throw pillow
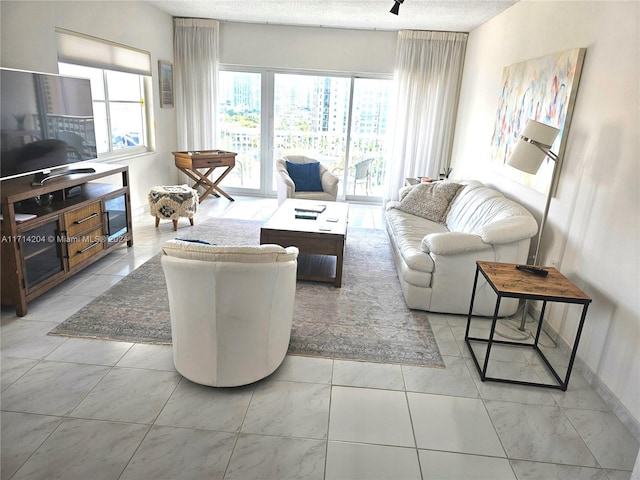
305 176
430 200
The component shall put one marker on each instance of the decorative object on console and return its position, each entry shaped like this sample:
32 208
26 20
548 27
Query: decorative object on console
543 89
532 148
445 174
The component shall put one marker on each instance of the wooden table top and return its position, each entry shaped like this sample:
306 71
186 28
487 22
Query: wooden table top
205 154
284 218
204 159
508 281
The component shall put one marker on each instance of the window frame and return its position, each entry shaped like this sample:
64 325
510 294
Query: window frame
103 55
145 88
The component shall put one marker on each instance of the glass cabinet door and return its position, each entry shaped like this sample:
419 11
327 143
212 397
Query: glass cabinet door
42 253
116 212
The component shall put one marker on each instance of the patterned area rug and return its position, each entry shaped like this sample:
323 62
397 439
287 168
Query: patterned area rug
365 320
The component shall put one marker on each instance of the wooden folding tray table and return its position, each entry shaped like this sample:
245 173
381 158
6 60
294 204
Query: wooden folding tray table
193 161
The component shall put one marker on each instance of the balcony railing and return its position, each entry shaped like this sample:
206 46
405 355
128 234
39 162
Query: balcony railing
328 148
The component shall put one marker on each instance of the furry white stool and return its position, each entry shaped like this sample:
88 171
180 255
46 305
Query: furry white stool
172 202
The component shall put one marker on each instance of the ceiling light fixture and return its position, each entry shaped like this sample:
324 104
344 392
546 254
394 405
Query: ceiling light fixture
396 6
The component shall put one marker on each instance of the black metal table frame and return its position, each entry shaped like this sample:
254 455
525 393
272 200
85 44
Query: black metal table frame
562 384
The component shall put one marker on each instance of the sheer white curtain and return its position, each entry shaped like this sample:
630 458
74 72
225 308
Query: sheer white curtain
195 51
428 71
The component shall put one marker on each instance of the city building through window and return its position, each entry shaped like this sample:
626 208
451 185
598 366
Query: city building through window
340 121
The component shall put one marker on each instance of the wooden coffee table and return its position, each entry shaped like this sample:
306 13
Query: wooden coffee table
325 235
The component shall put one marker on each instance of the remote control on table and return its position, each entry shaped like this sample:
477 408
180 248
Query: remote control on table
533 269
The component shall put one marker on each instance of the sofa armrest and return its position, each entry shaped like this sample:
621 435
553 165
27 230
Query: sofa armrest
329 182
284 183
286 180
509 229
449 243
392 204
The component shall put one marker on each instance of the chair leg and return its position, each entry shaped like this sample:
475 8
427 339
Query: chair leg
175 225
191 221
157 221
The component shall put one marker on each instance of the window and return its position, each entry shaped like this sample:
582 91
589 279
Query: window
311 114
240 122
368 138
120 79
118 108
339 120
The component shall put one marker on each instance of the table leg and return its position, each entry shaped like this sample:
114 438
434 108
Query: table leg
575 347
202 180
339 262
483 375
196 176
215 184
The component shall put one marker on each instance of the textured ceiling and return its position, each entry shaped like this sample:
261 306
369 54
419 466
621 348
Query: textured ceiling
446 15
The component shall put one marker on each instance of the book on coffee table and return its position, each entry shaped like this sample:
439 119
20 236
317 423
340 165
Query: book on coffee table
306 214
312 208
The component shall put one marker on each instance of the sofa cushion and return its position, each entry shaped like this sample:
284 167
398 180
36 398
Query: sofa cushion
305 176
408 232
430 201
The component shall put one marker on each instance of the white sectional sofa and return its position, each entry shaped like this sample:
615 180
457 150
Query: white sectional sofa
436 262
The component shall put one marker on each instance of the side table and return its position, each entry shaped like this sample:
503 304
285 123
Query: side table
190 163
509 282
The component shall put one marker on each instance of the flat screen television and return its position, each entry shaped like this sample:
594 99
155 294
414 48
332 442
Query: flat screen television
46 124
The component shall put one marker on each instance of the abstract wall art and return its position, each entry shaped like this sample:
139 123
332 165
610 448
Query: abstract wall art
543 89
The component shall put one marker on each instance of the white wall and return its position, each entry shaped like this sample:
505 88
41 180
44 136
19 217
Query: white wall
28 42
594 223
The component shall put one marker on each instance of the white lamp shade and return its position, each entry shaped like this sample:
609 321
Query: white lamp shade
535 141
541 133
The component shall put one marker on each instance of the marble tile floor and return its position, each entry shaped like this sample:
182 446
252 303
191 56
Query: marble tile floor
92 409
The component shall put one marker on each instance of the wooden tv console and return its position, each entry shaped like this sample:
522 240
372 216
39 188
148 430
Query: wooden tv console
54 230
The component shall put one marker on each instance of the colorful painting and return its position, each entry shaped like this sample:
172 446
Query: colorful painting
543 89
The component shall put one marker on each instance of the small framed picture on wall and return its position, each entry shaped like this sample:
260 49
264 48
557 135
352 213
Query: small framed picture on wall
165 74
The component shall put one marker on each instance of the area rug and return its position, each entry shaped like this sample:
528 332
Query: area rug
365 320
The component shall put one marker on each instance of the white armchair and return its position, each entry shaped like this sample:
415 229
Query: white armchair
231 309
287 187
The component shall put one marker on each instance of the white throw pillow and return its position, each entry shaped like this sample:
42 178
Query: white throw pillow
430 200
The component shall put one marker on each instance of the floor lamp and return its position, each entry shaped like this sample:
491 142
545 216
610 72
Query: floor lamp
532 148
